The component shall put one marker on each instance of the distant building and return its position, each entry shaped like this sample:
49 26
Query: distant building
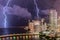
37 26
53 18
31 27
58 21
58 24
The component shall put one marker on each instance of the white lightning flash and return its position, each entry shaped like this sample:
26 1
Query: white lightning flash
4 13
37 9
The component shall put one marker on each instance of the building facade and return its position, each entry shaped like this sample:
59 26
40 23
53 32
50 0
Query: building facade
53 18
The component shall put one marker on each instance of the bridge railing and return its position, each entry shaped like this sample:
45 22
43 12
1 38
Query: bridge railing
26 36
20 37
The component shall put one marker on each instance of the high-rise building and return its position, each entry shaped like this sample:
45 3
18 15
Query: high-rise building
53 18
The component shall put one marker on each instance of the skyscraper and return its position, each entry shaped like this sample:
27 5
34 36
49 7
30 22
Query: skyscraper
53 18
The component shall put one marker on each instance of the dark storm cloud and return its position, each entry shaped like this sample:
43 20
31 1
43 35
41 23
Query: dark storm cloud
3 2
16 10
19 11
29 4
43 4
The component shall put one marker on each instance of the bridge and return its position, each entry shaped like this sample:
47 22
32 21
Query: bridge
20 37
24 36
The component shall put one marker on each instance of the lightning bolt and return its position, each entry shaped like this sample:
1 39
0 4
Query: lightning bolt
4 13
37 9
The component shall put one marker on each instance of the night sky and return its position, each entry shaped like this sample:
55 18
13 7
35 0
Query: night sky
19 11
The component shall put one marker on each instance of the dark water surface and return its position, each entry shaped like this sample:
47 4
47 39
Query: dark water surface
4 31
